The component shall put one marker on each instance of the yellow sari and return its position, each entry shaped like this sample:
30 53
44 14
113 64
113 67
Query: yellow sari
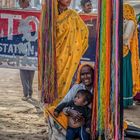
71 43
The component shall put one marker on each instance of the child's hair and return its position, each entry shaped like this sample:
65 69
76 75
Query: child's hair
87 94
83 2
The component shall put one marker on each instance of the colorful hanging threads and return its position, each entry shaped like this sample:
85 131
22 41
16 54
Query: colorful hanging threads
106 116
47 62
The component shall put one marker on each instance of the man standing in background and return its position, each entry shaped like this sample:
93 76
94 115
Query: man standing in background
26 75
86 6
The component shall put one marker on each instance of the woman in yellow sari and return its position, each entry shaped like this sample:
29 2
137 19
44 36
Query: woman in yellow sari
130 56
71 43
63 41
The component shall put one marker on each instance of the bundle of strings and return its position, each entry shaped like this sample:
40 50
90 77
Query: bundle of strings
106 117
47 55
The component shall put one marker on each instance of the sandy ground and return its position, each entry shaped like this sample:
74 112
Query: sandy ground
20 120
132 114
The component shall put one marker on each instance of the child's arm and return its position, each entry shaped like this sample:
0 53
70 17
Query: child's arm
60 107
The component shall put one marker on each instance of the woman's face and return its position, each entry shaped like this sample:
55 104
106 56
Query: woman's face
64 3
86 75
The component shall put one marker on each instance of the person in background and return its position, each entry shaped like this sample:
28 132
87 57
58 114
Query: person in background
26 75
137 97
24 4
86 6
130 56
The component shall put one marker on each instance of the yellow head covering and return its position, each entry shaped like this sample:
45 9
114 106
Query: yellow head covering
129 13
78 79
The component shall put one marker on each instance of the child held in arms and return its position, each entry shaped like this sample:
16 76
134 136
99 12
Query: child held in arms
77 127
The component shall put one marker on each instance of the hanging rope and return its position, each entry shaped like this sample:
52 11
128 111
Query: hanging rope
106 93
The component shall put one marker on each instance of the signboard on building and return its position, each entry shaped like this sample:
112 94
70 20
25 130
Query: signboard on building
19 39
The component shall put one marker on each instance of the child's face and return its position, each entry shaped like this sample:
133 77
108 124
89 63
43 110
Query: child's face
79 100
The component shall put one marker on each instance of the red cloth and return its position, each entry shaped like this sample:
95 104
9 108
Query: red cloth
137 97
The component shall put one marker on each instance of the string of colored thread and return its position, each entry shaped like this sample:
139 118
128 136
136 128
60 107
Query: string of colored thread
42 32
100 50
116 74
102 70
96 71
108 51
106 80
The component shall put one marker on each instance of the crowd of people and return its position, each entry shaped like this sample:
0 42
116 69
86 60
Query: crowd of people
78 100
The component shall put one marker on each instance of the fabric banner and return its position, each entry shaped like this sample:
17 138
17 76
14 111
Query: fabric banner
19 39
90 20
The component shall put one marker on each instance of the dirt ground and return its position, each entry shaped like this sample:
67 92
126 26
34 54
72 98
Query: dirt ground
20 120
132 114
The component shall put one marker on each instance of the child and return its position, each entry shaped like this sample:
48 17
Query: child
77 128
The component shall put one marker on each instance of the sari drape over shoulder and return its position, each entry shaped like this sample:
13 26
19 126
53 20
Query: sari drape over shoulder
71 43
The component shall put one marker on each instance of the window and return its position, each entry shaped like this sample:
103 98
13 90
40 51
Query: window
12 4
